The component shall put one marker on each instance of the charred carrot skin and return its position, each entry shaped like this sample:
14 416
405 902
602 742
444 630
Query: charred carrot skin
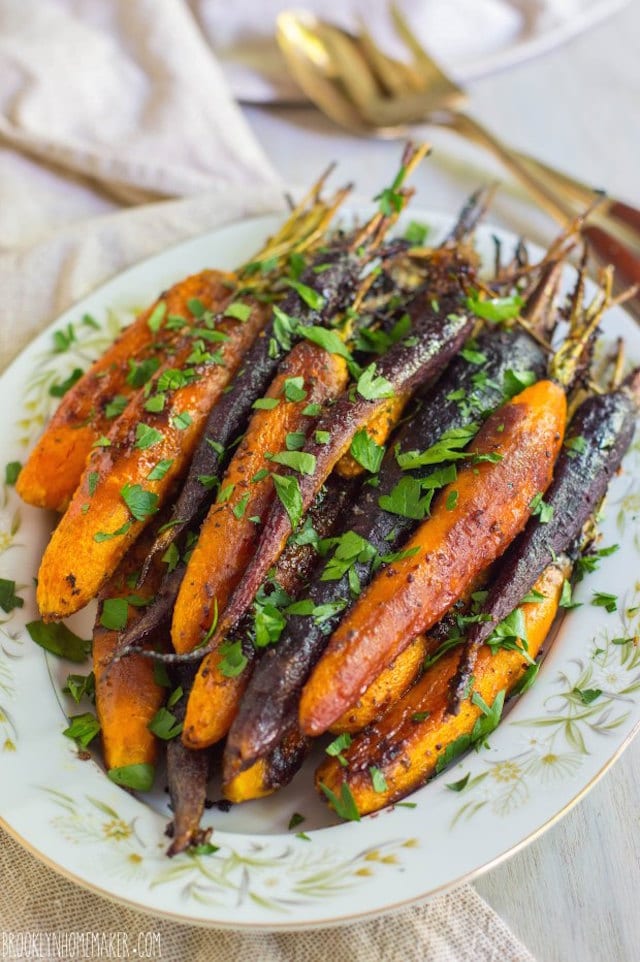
474 520
89 542
230 531
599 435
275 687
187 774
127 694
55 466
438 335
215 696
269 774
407 743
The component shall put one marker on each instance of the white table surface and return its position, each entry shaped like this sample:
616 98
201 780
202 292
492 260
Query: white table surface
572 894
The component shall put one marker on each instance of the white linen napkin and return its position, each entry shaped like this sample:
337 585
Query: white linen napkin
109 103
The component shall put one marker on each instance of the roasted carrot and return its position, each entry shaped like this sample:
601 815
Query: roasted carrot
54 468
438 333
269 774
130 474
232 527
217 688
187 774
599 435
387 688
378 431
474 520
410 743
466 392
127 693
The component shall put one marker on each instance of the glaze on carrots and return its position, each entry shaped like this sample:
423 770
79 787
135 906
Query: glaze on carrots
409 743
474 520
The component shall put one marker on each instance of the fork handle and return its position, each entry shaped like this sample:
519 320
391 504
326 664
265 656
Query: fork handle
470 128
584 195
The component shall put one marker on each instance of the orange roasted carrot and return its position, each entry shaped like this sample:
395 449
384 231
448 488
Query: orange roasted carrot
387 688
216 691
474 519
378 430
308 375
407 744
127 693
131 472
269 774
55 466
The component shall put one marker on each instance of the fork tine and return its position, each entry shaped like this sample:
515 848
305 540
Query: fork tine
396 78
429 69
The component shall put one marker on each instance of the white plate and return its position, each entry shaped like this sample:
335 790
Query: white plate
542 758
470 38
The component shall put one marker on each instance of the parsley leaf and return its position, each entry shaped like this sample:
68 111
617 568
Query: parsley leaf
288 491
345 806
602 599
238 310
406 499
142 504
447 448
495 309
299 461
12 472
9 600
312 298
416 233
59 390
372 386
294 389
147 436
366 451
115 612
56 638
165 725
83 728
233 660
138 777
378 780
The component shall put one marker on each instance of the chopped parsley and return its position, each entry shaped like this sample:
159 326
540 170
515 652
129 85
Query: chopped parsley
138 777
299 461
147 437
372 386
141 371
575 446
366 451
345 806
9 600
114 614
59 390
378 780
294 389
238 311
142 504
265 403
56 638
165 725
12 472
82 728
602 599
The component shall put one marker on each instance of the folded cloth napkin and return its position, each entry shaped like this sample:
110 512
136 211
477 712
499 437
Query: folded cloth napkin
100 105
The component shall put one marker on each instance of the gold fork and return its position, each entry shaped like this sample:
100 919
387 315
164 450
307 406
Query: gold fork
361 88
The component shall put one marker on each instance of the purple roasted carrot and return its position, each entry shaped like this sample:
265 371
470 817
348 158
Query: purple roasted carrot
598 437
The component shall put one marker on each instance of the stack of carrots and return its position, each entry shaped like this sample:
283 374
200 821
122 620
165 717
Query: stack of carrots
336 491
